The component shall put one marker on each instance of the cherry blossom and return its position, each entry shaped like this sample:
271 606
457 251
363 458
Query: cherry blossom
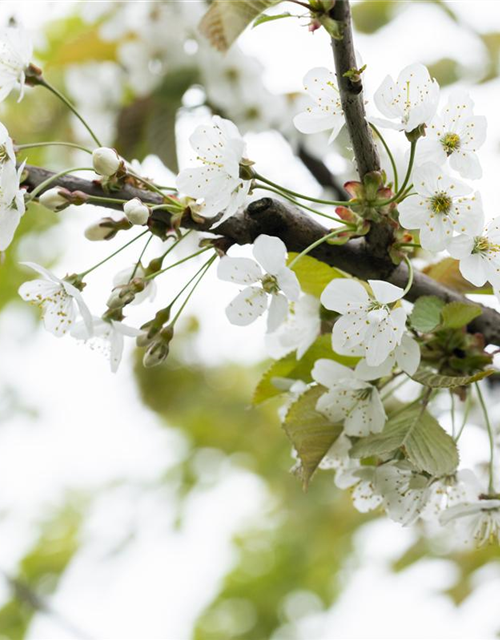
60 301
406 356
300 330
441 207
326 114
278 282
124 276
455 134
16 51
221 150
12 205
405 491
412 100
370 326
107 336
479 256
354 402
476 521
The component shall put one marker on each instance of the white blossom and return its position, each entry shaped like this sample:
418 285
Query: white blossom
477 521
354 402
12 205
326 114
7 153
60 301
369 326
53 200
406 356
479 256
278 282
441 207
404 491
412 100
456 134
108 336
300 330
221 149
16 51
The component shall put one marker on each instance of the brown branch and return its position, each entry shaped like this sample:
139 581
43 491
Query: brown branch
298 231
351 93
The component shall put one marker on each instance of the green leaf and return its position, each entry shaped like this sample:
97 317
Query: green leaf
313 274
426 314
424 442
290 368
456 315
369 16
267 18
310 432
445 71
447 272
225 21
436 381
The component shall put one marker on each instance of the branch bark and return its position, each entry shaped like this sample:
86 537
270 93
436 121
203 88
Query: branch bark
298 231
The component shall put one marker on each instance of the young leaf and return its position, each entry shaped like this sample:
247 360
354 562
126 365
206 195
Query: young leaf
456 315
313 274
448 273
267 18
225 21
310 432
426 314
437 381
424 442
291 368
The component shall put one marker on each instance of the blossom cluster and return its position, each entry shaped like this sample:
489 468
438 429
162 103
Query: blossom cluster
373 340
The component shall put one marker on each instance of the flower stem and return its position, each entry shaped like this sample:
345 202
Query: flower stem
140 257
410 276
35 145
300 195
176 264
401 191
303 206
84 273
42 82
314 245
49 181
466 416
98 199
389 153
202 273
491 487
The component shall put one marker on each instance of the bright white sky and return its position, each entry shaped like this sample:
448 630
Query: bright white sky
158 587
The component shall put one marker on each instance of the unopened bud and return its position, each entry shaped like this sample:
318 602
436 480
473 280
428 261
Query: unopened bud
54 199
106 229
159 349
106 161
136 211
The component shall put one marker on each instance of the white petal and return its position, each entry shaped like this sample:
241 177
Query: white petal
288 283
270 252
363 370
343 295
248 305
328 372
474 269
408 355
385 292
367 416
239 270
460 246
278 311
43 271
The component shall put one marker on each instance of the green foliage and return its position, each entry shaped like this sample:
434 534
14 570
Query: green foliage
310 432
456 315
446 71
369 16
418 434
426 314
436 381
39 573
289 368
225 21
313 274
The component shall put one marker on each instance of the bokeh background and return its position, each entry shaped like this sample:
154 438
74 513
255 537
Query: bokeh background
158 504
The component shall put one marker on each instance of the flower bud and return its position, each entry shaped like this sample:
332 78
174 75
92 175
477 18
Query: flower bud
159 348
54 199
136 212
106 229
106 161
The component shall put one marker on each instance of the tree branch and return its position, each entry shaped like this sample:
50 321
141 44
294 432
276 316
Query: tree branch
298 231
351 93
